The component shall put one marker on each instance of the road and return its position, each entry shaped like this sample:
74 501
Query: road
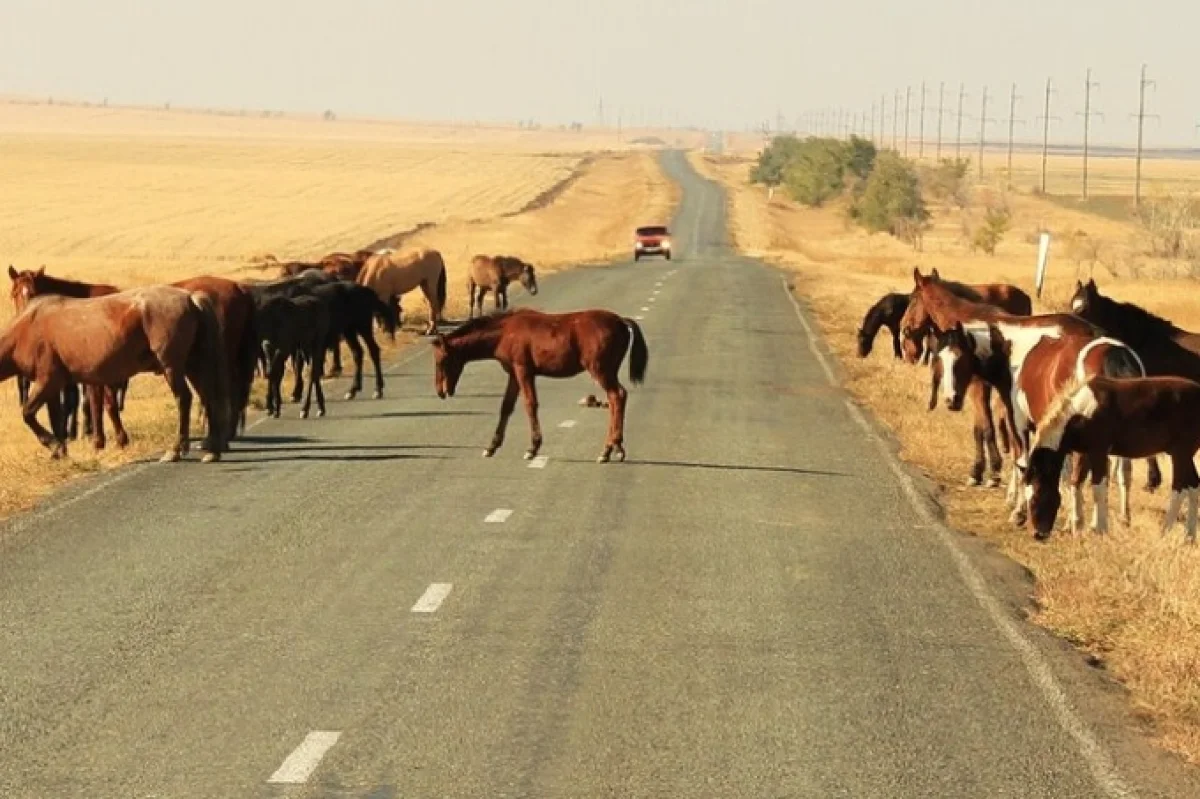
751 606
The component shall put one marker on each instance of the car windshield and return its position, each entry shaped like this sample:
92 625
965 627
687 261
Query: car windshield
657 230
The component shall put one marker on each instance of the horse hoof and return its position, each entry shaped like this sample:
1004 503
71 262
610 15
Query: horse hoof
320 413
170 457
303 414
487 453
529 455
973 482
99 445
602 459
349 395
994 482
621 455
377 395
210 457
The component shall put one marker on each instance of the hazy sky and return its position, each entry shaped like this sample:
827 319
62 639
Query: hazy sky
705 62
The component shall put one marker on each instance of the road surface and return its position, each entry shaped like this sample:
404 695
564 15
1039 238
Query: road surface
362 606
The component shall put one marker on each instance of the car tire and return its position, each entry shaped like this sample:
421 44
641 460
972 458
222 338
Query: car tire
637 256
668 256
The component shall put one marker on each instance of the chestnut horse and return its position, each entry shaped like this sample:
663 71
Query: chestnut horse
392 275
493 273
1165 348
106 340
1028 386
1130 418
28 284
530 343
917 329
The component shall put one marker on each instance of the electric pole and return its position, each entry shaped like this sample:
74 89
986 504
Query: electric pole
941 106
907 99
1012 121
882 122
1087 119
895 116
962 93
1046 133
1141 118
921 125
983 120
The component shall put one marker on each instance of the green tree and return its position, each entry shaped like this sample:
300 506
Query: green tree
891 199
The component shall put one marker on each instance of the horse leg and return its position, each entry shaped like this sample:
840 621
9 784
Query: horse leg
1183 478
114 414
336 370
319 372
1098 464
94 399
373 349
896 349
44 394
502 297
313 376
506 408
356 351
1124 478
616 417
471 299
298 370
70 409
275 384
1078 475
177 381
529 392
1153 474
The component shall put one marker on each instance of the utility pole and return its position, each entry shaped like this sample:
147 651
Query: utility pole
1012 121
882 120
907 99
895 116
1141 118
1087 119
941 107
962 93
1046 133
921 125
983 120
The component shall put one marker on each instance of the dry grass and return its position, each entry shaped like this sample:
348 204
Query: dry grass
1129 599
134 197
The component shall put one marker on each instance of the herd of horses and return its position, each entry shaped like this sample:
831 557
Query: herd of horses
1067 393
73 346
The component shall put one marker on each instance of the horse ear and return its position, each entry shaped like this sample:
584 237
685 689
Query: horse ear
935 275
41 271
12 273
918 278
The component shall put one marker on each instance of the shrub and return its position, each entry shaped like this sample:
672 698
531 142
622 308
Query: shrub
814 170
947 182
996 222
891 200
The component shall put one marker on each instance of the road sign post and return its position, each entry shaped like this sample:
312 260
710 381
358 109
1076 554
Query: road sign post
1043 253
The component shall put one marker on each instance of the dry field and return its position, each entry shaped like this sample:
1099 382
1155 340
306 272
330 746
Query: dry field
1130 600
128 197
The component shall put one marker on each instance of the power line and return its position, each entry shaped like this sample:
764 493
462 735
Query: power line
1141 118
1087 114
941 106
1045 117
1012 121
962 93
983 120
921 125
895 116
907 102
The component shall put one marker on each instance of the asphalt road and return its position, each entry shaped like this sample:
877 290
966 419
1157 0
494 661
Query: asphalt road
750 606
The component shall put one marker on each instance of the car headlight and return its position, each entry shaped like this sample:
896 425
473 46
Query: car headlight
666 243
637 244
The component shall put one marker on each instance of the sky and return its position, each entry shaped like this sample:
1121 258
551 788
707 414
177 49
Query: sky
718 64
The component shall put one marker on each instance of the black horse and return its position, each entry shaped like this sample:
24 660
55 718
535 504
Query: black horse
353 310
887 312
293 327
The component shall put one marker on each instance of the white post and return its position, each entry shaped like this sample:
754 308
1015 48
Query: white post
1039 277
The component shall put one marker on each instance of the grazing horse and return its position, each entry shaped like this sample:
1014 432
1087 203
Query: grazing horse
392 275
289 327
493 273
886 312
234 307
345 266
1131 418
1028 383
28 284
935 305
530 343
1165 348
106 340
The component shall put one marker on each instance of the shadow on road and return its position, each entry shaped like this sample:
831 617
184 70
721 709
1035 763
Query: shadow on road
726 467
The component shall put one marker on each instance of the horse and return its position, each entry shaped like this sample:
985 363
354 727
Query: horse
936 306
493 273
234 307
287 327
102 341
293 286
1028 382
1129 418
352 310
1165 348
345 266
392 275
528 344
28 284
886 312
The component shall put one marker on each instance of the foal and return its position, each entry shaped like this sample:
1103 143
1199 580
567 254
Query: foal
886 312
1129 418
530 343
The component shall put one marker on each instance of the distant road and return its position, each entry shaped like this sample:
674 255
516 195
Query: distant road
362 606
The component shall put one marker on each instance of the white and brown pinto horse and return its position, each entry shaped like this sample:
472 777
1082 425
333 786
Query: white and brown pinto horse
1131 418
1028 368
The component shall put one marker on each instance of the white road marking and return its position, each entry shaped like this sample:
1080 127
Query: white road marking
1101 766
644 308
539 462
303 760
639 318
567 423
658 285
652 299
433 597
498 516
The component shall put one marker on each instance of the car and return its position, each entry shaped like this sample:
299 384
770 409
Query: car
652 240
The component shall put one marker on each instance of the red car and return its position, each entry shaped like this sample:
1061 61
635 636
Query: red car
652 240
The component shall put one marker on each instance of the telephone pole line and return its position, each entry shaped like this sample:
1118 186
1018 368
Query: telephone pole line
941 108
1087 120
895 116
921 126
962 93
983 120
1012 121
907 99
1141 118
1045 117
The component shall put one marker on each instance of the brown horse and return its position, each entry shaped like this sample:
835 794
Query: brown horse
917 328
28 284
234 307
493 273
1131 418
106 340
1028 382
392 275
1165 348
345 266
530 343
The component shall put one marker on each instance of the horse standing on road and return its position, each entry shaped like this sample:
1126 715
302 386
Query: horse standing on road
528 344
494 273
392 275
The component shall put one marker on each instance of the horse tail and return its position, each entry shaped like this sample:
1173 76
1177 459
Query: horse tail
209 361
1022 304
1121 361
248 359
639 355
385 312
441 285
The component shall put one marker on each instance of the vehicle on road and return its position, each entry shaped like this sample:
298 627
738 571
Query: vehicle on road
652 240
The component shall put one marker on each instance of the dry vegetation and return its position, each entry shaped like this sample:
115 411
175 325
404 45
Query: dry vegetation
1129 599
134 196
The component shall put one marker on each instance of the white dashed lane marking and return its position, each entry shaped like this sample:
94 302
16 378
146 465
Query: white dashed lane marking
498 516
652 299
644 308
303 760
539 462
639 318
567 423
433 597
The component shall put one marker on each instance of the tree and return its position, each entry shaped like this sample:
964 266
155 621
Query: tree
891 200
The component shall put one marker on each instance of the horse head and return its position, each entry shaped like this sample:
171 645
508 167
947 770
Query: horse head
1040 477
955 361
1085 297
914 326
864 342
25 286
529 279
447 367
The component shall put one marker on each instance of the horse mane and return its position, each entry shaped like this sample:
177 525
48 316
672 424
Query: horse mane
479 324
1143 323
62 285
1059 412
